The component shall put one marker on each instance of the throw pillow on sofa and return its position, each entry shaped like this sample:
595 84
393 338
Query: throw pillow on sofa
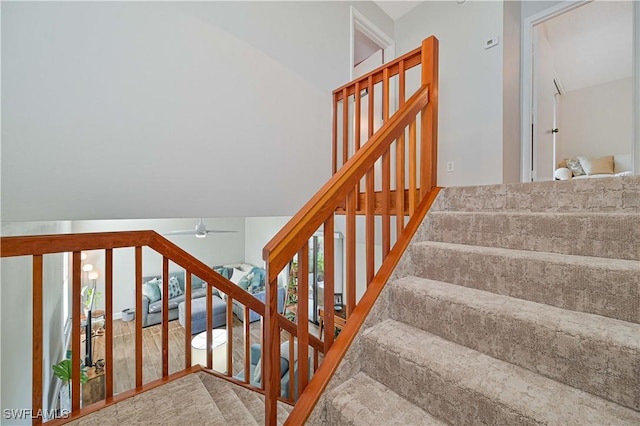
174 288
151 289
254 281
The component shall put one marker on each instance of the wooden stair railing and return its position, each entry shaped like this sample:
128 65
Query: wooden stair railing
416 119
39 246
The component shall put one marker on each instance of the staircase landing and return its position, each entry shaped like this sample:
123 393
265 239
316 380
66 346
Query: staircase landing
195 399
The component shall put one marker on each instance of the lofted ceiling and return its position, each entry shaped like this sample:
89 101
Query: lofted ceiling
592 44
395 9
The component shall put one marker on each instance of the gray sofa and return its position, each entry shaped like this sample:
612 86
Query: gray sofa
152 311
254 286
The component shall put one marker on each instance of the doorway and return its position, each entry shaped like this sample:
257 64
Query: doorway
580 85
366 41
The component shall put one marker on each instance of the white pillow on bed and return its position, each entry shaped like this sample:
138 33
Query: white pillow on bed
237 276
563 173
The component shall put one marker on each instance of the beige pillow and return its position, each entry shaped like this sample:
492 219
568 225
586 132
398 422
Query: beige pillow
596 166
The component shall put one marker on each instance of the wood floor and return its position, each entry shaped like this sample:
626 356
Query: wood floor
124 350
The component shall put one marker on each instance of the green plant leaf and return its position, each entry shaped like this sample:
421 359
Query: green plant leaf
62 370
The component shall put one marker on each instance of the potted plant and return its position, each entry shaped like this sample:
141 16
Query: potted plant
62 370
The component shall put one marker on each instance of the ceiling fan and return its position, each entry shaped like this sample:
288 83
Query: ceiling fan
200 231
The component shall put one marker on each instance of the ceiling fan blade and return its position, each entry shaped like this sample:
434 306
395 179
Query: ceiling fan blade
185 232
219 231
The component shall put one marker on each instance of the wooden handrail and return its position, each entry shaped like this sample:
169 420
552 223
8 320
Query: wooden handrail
410 60
59 243
309 397
39 246
283 246
343 192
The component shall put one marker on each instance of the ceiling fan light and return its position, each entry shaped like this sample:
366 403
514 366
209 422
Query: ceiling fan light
201 235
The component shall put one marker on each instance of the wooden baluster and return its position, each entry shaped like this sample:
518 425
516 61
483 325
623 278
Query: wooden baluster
400 159
270 358
76 326
329 280
429 115
165 316
370 225
386 172
36 336
209 312
108 318
370 197
229 336
291 356
412 167
138 257
371 112
315 360
247 344
356 124
356 131
303 316
334 136
345 126
187 319
351 252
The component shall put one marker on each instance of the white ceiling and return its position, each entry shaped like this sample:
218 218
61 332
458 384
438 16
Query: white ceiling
396 9
592 44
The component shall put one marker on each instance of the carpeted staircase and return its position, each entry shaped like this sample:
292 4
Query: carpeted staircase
514 304
196 399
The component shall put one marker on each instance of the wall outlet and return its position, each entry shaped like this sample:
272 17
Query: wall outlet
450 166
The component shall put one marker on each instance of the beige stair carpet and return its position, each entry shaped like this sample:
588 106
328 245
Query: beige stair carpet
514 304
182 401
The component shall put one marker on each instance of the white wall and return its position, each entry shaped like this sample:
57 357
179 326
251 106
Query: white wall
16 319
258 232
108 107
596 120
471 85
213 250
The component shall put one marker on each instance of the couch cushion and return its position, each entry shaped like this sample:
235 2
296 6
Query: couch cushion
151 290
174 288
156 307
197 293
254 281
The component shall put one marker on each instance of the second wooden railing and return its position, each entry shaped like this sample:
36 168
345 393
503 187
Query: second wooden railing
173 259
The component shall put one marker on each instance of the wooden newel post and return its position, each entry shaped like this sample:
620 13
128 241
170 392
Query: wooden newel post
429 125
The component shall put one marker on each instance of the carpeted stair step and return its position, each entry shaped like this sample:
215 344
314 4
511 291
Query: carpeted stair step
232 408
608 287
181 401
596 354
620 194
462 386
364 401
611 235
254 402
